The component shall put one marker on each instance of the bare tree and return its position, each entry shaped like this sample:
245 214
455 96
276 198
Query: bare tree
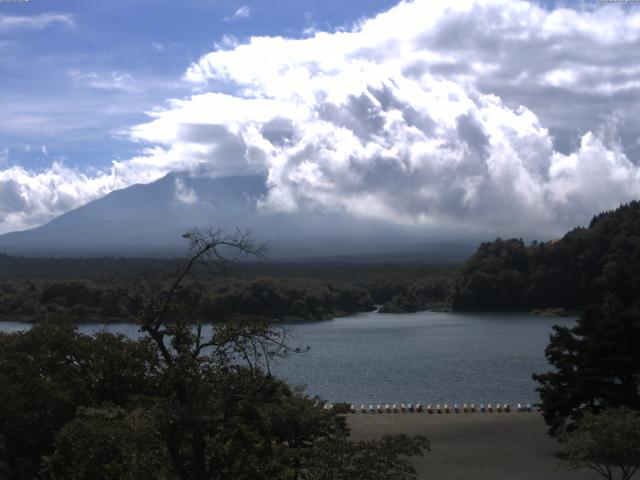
175 326
218 403
195 350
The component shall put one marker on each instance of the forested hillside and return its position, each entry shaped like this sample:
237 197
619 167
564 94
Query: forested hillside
33 289
269 297
572 272
568 273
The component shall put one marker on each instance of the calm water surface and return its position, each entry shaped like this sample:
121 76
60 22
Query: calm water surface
420 357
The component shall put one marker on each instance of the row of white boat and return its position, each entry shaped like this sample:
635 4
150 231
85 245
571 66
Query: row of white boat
438 408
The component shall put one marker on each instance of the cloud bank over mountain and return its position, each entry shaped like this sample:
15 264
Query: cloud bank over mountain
493 117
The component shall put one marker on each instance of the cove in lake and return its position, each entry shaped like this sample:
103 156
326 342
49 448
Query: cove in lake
425 357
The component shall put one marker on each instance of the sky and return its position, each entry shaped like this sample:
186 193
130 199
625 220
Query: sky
502 117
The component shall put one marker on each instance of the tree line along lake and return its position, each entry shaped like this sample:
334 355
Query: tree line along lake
428 357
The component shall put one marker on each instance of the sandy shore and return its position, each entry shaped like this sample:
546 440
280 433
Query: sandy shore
473 446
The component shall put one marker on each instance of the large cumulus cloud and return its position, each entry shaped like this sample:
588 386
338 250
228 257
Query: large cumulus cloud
498 117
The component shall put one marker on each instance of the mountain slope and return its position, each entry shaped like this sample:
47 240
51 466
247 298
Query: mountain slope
148 217
149 220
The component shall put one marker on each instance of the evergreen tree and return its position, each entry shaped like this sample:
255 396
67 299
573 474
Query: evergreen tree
597 362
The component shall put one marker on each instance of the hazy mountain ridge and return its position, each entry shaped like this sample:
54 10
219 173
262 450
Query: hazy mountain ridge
149 220
138 217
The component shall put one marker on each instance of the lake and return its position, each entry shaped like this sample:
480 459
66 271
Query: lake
422 357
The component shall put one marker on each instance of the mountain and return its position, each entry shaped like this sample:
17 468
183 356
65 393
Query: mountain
149 220
141 218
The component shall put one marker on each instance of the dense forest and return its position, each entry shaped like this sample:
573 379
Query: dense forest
32 289
266 296
565 274
569 273
595 363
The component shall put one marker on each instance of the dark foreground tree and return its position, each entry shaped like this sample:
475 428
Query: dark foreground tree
596 365
382 460
48 372
607 443
192 400
597 362
110 443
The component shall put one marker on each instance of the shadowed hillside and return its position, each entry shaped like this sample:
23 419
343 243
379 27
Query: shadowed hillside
571 272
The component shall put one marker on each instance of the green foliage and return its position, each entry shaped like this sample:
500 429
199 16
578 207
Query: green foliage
572 272
273 297
110 444
425 294
596 364
104 407
283 298
180 403
607 443
49 371
494 277
32 289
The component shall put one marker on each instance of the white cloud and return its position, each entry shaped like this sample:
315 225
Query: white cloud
10 23
32 197
452 114
112 81
240 14
228 41
184 194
